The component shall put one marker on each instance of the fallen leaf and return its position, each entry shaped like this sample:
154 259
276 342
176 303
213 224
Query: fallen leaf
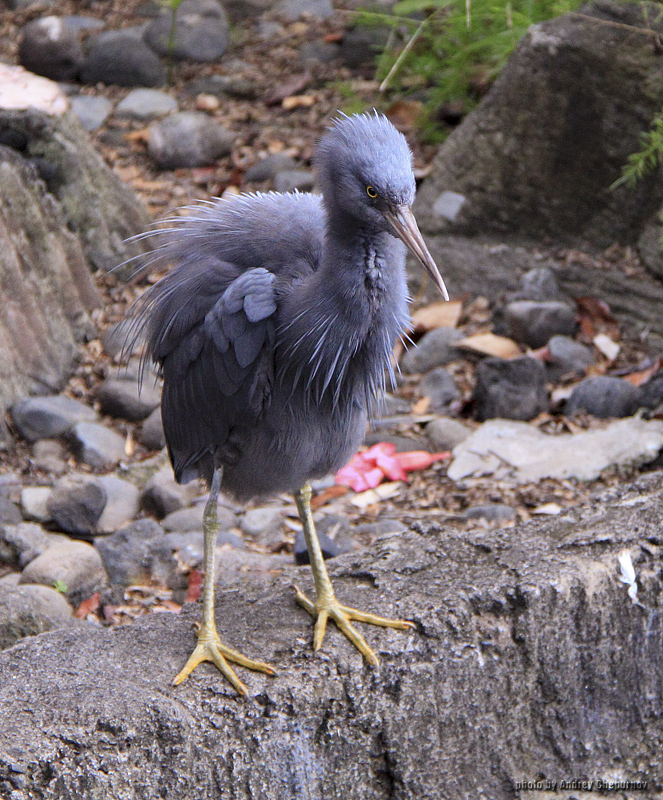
373 496
141 136
294 85
444 314
643 375
606 345
491 345
594 316
129 444
405 113
548 509
297 101
329 494
207 102
195 586
421 406
87 606
169 606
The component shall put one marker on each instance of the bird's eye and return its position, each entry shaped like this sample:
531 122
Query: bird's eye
371 192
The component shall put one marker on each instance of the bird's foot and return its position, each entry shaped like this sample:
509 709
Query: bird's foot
210 648
327 607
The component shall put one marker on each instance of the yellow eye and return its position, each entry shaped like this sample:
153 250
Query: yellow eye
370 191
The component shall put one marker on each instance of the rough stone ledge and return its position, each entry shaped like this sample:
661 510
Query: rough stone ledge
529 660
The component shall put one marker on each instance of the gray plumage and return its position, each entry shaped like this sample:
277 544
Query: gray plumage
275 326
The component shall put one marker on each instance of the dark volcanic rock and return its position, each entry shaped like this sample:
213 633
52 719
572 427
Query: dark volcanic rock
200 32
138 553
51 48
76 504
122 58
330 549
539 154
567 357
187 139
510 389
49 417
534 323
651 393
517 633
127 398
29 610
604 396
440 387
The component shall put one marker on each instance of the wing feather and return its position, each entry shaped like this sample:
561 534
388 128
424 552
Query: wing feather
212 331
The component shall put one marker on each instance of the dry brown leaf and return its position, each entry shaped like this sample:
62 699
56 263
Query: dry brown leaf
195 586
437 315
329 494
87 606
421 406
491 345
297 101
292 86
405 113
643 375
141 135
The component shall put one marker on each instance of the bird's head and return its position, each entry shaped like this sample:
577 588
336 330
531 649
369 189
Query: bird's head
365 173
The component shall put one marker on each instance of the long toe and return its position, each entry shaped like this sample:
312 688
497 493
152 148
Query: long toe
210 648
329 608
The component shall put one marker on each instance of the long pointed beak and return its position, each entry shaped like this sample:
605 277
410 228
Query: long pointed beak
405 227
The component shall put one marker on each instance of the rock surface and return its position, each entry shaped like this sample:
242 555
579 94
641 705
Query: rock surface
519 452
29 610
539 606
539 154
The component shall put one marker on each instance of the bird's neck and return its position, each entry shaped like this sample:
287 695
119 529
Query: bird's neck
346 317
363 267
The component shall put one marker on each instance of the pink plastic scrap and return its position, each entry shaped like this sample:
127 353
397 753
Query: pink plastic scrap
368 469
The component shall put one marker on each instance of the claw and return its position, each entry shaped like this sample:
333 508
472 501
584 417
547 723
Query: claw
210 648
328 607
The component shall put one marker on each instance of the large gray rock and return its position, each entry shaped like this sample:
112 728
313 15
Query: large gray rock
518 668
46 290
127 398
187 139
515 452
198 33
29 610
139 553
97 207
122 58
51 48
76 566
76 504
48 417
96 445
539 154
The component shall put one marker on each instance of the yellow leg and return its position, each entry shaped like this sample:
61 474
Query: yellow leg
326 605
209 646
